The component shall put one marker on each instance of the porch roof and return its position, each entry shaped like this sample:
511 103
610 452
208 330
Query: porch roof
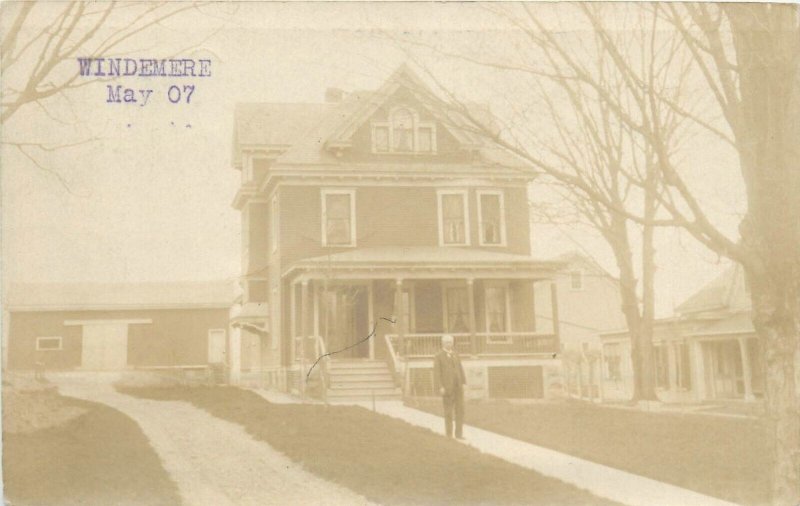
423 262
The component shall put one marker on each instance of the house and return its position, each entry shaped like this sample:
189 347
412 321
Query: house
589 303
372 224
115 326
707 351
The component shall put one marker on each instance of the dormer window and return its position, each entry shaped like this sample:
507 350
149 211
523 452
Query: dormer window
403 133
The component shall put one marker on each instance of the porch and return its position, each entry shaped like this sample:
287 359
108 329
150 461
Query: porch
394 313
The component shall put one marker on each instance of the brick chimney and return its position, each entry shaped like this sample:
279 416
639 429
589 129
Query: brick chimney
333 95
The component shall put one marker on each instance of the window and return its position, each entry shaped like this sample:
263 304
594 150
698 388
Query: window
453 218
260 169
403 133
662 366
425 139
576 280
456 309
498 319
491 218
380 138
48 343
613 361
683 368
338 218
406 312
274 225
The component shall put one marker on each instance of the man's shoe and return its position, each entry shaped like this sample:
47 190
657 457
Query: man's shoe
461 438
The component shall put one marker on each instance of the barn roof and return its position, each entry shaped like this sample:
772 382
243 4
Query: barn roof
110 296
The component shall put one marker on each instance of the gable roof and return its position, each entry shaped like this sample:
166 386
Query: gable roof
110 296
716 295
304 131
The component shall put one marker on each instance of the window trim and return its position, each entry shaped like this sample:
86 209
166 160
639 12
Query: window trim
60 343
465 203
582 274
416 125
274 223
351 192
501 195
506 288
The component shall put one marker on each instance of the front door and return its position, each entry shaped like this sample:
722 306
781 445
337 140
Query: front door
216 346
105 347
726 369
345 321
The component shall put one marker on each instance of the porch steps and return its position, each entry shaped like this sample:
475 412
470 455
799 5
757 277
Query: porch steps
353 380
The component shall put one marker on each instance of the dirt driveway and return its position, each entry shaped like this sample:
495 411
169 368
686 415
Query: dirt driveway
214 461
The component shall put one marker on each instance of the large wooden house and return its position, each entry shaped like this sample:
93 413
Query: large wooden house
372 224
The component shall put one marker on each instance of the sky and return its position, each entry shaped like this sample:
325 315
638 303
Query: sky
147 191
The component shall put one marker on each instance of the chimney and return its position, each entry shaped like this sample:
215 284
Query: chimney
333 95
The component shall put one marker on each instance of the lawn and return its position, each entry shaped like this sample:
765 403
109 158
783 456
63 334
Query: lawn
93 454
722 457
386 460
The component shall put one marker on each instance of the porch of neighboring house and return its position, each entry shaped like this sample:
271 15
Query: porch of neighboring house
378 329
695 368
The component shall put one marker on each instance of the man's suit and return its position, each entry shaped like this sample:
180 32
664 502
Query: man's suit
448 373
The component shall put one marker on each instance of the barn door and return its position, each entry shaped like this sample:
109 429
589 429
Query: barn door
105 346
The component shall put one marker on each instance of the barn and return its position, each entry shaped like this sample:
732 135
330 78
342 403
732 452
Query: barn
115 327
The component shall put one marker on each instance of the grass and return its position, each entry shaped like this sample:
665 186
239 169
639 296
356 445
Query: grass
386 460
99 457
721 457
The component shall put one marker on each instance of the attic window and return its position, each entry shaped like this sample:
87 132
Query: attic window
403 133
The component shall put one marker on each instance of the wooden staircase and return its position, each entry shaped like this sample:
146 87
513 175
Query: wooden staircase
360 380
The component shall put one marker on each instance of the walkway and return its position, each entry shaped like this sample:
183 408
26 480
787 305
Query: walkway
604 481
213 461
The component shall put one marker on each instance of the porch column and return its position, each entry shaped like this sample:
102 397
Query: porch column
292 324
533 305
303 332
554 306
747 373
473 338
398 315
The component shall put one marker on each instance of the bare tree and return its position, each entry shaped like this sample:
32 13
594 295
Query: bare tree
602 165
40 44
748 57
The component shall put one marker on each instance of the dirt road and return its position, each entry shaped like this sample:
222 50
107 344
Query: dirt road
214 461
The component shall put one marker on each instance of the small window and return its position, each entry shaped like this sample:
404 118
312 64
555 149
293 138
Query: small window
453 219
380 137
683 366
338 218
274 224
260 169
576 280
492 223
402 131
425 139
48 343
662 366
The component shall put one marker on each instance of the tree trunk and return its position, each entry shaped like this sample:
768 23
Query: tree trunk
640 332
767 41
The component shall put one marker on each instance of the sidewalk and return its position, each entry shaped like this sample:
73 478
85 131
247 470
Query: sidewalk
603 481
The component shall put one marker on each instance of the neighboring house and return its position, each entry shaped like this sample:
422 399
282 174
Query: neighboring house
588 303
112 327
707 351
376 206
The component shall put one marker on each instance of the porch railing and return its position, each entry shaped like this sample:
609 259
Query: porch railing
483 344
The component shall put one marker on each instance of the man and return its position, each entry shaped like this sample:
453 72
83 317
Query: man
449 375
